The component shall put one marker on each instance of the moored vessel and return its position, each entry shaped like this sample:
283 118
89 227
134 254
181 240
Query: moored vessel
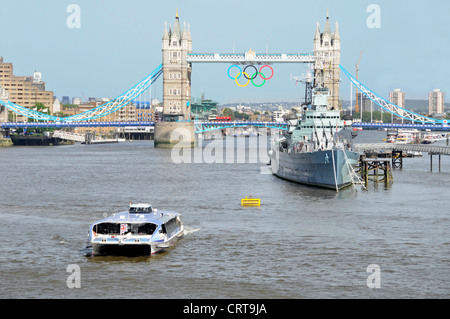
41 139
317 148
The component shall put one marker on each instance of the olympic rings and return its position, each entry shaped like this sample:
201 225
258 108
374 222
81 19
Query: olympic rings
254 74
234 65
262 77
246 76
263 74
250 78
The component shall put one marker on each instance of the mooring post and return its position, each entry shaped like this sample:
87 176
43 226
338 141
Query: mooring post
375 170
439 162
431 161
366 172
386 172
390 177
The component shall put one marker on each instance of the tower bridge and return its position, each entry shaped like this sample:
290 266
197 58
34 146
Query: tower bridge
176 70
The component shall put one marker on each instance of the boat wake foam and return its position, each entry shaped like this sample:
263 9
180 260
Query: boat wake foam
189 230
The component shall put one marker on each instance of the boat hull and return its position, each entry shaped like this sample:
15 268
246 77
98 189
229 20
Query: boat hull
327 168
35 140
120 250
133 247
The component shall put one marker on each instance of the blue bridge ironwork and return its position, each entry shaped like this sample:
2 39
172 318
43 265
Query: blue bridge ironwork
201 127
65 124
86 118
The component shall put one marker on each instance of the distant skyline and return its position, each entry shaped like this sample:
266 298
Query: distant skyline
119 42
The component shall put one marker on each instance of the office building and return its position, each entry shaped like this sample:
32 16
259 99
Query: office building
397 97
25 90
436 102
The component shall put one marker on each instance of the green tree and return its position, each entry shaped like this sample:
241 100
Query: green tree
241 116
228 112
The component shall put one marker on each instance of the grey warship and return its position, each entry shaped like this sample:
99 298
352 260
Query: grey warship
317 147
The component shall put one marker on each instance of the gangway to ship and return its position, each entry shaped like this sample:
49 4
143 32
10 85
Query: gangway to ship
70 136
354 176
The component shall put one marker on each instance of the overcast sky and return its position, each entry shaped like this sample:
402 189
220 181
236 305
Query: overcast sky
118 43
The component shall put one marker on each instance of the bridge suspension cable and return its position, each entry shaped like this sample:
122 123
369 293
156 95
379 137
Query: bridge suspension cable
96 112
390 107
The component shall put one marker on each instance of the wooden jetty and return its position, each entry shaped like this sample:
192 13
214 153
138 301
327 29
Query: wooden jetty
375 169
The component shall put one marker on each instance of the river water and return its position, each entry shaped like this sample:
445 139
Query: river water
303 242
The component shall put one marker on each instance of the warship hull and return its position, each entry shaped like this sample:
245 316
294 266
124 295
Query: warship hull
326 169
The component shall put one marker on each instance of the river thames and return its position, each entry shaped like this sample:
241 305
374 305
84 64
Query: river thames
303 242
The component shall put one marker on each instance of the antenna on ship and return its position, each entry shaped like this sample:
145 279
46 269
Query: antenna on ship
308 80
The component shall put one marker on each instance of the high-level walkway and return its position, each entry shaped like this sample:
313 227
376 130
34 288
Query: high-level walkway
242 58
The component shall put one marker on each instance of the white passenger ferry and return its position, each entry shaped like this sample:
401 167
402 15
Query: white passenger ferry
141 230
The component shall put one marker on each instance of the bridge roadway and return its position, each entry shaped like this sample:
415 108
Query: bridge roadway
435 127
209 126
63 124
430 149
199 126
394 126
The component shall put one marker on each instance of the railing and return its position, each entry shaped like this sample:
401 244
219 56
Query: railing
431 149
436 127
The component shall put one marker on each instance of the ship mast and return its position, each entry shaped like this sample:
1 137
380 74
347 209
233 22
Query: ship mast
308 80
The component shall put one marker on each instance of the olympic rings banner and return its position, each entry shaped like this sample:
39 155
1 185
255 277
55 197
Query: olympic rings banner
248 77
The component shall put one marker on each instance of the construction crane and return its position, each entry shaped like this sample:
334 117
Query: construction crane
357 71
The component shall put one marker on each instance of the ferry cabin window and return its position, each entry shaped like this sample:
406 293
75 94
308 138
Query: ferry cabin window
107 228
140 210
171 226
135 229
142 229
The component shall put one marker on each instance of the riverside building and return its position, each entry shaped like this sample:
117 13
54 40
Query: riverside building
397 97
436 102
25 90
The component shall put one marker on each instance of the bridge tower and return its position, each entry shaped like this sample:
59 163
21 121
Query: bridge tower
175 129
327 50
176 44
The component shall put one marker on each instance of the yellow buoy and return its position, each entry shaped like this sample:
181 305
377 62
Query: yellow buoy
250 201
